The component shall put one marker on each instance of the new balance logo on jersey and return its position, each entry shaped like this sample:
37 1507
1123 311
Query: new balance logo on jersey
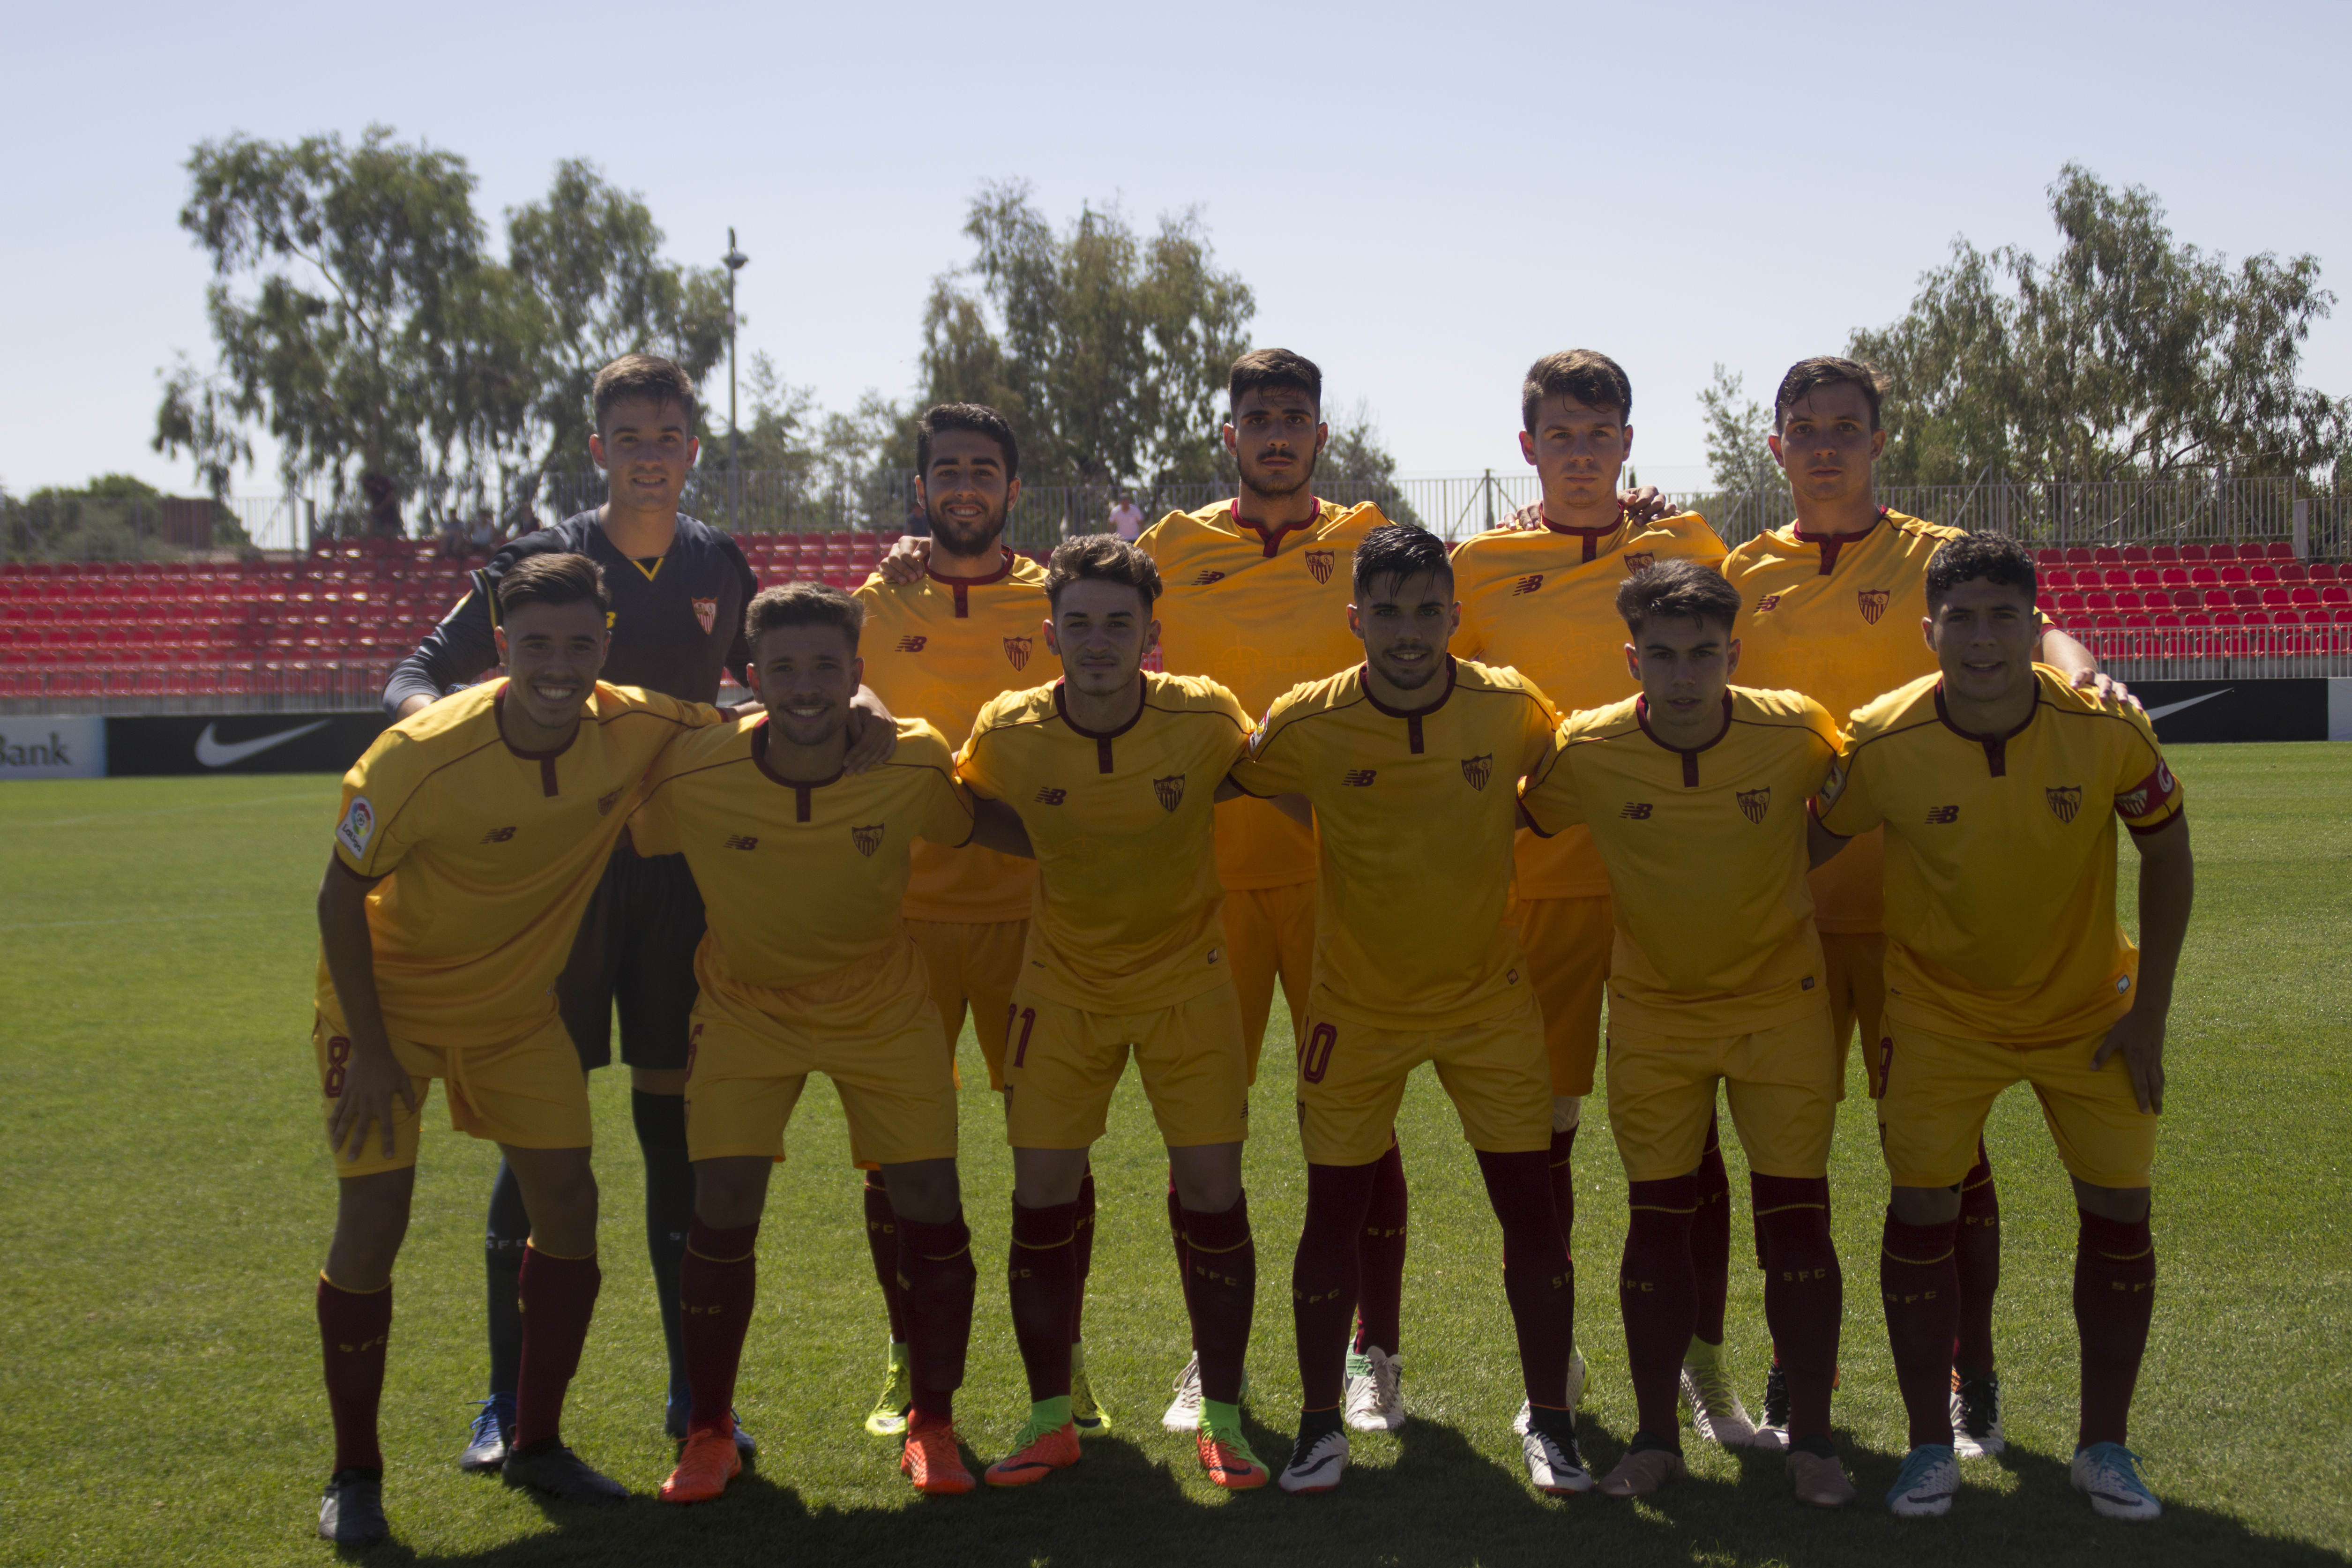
867 839
1016 651
2066 800
1639 560
1755 803
1319 562
1358 777
1943 815
1872 602
741 841
1527 585
1170 790
1636 811
1769 602
605 803
1049 795
498 836
1205 578
1478 770
910 645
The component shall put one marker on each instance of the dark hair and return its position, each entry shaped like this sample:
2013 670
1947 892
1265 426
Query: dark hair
1826 370
802 605
1994 557
649 376
1585 374
1260 369
1678 590
1101 558
552 579
1397 551
977 417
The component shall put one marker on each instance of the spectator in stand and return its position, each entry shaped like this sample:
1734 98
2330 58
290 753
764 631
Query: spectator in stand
452 538
484 534
1126 518
918 523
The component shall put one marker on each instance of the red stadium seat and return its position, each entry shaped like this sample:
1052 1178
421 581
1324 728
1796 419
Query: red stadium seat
2276 598
2325 570
2079 555
2281 550
2108 556
2049 558
2136 553
2293 572
2335 596
2250 551
2261 573
2127 600
2204 578
2098 603
2233 577
2192 552
2116 576
2304 598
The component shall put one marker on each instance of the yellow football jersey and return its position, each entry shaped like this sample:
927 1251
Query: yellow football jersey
1544 601
1258 615
939 649
488 855
800 880
1706 851
2001 858
1838 619
1415 813
1124 824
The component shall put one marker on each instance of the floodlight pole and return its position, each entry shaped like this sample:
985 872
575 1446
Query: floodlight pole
735 258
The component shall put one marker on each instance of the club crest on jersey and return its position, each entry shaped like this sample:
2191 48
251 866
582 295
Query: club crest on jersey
867 839
2066 800
1755 803
1478 770
1639 561
707 612
1016 651
1872 602
1205 578
358 826
1171 790
605 803
1527 585
910 645
1769 602
1319 562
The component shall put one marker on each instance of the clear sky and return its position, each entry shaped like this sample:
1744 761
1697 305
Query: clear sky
1424 197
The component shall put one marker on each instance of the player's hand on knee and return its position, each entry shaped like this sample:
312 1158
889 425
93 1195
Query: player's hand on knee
2140 1039
906 560
374 1080
2109 689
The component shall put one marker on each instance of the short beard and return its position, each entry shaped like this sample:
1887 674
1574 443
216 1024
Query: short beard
968 543
1271 487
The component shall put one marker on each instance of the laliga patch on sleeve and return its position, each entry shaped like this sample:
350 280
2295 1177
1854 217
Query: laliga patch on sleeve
358 826
1832 786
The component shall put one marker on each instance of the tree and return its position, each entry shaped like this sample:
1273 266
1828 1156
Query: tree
2128 355
1107 349
1357 467
1738 460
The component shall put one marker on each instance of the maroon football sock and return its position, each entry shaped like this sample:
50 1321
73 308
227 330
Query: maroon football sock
2115 1297
1537 1280
1563 1187
559 1298
1920 1284
1976 1249
1176 1238
938 1280
717 1284
1039 1274
1804 1292
1657 1296
882 1247
354 1327
1323 1278
1082 1254
1379 1257
1710 1241
1221 1295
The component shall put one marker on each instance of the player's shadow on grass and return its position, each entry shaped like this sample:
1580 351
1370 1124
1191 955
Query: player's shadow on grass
1429 1496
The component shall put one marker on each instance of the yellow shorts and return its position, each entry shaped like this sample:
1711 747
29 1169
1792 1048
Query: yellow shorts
1781 1081
1065 1062
531 1092
1856 965
1939 1088
1568 942
1270 934
973 963
871 1028
1351 1081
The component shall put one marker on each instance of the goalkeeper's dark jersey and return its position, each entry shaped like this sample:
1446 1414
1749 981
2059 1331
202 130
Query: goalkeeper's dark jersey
676 623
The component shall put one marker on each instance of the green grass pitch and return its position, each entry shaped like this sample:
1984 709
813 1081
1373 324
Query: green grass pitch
164 1198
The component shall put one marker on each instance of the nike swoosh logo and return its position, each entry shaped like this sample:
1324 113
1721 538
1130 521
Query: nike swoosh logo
2155 713
215 752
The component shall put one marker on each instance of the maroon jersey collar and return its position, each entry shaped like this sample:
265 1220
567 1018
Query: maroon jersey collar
1689 757
1995 747
1273 541
1831 542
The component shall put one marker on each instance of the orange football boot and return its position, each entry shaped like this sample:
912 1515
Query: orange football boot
708 1462
1227 1457
1044 1450
931 1461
